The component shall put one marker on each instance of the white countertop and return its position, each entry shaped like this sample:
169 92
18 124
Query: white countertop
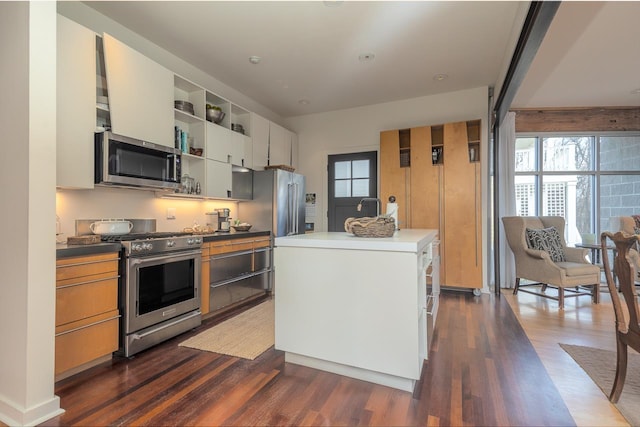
407 240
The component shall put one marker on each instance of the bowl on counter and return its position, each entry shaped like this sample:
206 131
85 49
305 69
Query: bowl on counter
241 227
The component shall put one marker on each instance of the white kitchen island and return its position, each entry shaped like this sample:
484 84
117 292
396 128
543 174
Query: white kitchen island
357 306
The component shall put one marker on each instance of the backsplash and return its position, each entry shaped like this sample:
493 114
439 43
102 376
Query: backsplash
110 203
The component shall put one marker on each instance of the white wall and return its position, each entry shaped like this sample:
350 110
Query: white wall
103 203
27 261
358 129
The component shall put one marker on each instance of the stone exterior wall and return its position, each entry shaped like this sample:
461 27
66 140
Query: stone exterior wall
619 194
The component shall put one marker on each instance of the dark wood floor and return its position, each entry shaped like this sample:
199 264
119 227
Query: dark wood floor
482 370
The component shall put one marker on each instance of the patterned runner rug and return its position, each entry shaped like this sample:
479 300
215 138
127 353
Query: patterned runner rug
247 335
600 365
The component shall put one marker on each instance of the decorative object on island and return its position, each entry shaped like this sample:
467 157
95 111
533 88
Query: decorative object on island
392 210
380 226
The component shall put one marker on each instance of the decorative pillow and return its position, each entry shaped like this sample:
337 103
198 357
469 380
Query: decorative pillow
548 240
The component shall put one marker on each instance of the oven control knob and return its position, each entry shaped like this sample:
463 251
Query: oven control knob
147 246
136 247
197 240
189 241
171 243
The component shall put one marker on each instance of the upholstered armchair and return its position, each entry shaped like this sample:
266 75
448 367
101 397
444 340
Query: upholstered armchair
543 257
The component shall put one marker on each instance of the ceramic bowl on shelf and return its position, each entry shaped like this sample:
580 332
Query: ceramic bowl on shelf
241 227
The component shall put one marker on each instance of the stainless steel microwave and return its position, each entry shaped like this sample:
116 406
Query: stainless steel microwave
124 161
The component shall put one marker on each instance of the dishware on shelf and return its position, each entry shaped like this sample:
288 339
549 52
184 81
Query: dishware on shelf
214 115
241 227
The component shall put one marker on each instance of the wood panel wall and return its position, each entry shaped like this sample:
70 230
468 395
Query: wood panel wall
596 119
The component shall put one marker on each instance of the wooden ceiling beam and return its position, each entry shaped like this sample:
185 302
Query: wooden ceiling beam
588 119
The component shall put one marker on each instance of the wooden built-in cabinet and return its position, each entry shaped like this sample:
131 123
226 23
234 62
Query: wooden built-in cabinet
434 172
86 311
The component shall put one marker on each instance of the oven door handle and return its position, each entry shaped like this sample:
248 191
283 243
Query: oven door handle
165 257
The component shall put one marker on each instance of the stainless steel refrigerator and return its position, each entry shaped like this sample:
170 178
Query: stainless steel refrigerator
278 203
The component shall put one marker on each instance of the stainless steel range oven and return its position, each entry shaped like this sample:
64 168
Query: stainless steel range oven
160 295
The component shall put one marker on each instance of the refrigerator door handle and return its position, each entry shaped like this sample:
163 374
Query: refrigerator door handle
289 209
295 208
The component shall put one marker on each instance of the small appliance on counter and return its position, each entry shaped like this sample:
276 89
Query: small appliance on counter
222 221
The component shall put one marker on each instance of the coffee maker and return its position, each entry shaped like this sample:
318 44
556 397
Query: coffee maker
224 220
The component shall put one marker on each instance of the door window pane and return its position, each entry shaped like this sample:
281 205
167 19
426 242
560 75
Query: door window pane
343 188
361 188
361 169
566 153
620 153
343 170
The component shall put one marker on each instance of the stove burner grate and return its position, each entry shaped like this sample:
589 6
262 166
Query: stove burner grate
142 236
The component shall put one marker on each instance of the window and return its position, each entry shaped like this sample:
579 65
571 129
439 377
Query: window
352 178
587 179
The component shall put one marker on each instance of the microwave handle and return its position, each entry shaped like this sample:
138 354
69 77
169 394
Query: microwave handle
175 167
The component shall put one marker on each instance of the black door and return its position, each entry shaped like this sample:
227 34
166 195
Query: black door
352 177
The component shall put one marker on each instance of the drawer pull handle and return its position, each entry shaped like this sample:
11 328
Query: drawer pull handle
88 281
87 326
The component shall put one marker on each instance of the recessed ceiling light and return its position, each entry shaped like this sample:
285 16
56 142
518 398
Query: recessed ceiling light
365 57
304 102
440 77
255 59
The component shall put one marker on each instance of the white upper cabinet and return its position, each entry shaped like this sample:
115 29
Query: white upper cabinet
76 104
241 150
218 179
260 141
218 143
140 94
279 145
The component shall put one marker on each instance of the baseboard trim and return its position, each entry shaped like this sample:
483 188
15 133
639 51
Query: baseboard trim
12 414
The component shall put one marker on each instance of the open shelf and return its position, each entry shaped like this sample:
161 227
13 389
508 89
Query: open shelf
437 145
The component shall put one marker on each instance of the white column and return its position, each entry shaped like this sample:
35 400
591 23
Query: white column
28 175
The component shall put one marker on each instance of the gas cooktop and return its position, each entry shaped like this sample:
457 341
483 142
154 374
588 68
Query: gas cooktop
141 244
143 236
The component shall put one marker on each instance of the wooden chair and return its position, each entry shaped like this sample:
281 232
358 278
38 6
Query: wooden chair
627 326
574 276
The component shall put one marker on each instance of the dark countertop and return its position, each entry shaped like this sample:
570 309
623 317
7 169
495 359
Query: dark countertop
65 251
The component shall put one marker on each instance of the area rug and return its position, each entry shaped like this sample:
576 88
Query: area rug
600 365
247 335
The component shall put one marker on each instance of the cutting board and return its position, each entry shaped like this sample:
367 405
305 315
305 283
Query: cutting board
89 239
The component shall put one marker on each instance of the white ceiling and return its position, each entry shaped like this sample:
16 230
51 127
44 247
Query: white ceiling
590 57
309 49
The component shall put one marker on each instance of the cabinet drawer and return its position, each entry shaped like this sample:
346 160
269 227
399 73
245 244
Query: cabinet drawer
68 268
262 243
84 344
230 246
78 301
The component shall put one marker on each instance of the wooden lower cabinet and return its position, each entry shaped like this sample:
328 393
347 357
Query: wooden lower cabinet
86 310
